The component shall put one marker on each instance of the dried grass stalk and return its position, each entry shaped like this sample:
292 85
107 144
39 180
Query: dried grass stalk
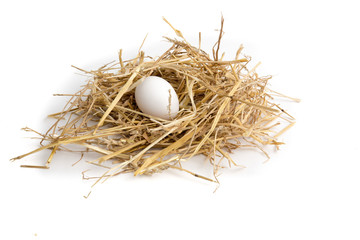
220 101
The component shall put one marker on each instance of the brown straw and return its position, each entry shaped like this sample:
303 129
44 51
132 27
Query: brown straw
224 105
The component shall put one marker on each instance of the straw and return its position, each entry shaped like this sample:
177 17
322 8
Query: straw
224 105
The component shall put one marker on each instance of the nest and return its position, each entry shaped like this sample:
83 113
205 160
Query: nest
224 105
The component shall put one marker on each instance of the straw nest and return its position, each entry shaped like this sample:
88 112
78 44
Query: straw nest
224 105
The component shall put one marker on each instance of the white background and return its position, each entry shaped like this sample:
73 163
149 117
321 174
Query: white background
308 190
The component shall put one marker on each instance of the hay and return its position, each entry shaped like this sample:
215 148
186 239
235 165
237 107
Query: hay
224 105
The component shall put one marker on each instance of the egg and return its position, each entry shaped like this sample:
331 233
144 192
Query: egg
156 97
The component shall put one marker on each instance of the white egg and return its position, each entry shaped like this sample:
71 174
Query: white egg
156 97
